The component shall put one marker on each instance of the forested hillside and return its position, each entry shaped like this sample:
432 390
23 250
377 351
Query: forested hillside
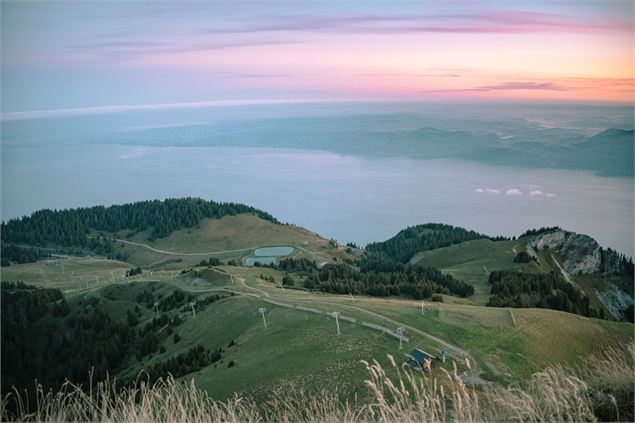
539 290
70 227
414 239
48 339
378 275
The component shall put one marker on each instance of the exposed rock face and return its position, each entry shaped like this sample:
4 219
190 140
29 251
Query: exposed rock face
581 253
615 300
552 240
583 256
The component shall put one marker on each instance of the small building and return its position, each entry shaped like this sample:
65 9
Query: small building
421 360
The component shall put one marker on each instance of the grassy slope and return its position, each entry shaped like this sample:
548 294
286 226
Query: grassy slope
471 261
540 337
297 349
67 274
229 233
300 348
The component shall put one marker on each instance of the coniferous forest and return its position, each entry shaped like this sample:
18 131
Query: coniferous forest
70 227
378 275
539 290
44 338
414 239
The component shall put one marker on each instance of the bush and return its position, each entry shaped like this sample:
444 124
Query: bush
437 298
132 319
522 257
176 338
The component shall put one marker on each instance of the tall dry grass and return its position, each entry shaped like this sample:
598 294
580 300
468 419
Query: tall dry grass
611 375
603 388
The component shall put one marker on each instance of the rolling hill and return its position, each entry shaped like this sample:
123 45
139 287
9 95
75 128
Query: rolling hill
224 347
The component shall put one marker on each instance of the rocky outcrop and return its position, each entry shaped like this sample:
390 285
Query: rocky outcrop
615 300
581 253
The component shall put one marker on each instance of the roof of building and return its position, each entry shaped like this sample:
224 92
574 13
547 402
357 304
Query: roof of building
420 356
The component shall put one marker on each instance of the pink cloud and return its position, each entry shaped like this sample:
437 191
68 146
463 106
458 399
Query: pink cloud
493 21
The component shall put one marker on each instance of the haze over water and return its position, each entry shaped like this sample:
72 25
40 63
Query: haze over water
347 197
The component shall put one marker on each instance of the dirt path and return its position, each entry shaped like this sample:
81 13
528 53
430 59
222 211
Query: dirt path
172 253
471 376
566 275
396 323
156 250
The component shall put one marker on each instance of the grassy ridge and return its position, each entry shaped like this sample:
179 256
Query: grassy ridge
472 261
505 352
242 232
300 349
69 227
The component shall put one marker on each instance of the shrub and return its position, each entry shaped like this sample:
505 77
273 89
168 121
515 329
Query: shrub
522 257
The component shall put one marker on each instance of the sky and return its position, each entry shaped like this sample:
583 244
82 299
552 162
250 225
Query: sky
99 56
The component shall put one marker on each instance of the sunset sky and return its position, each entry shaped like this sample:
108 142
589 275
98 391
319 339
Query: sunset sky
60 55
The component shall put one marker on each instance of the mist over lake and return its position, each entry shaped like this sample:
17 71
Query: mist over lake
349 198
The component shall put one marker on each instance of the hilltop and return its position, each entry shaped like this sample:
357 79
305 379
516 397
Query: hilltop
186 301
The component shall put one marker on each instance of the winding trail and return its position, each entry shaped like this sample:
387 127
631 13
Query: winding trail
261 294
396 323
156 250
173 253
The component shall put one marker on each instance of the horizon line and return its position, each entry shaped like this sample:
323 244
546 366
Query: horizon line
91 110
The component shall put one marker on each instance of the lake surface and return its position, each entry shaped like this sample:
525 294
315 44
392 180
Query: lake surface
345 197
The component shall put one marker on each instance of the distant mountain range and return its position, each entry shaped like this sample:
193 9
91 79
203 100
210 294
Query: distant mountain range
500 140
608 153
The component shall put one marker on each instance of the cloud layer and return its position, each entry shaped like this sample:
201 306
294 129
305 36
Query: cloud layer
516 192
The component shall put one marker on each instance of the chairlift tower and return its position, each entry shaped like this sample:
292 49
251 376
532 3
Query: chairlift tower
422 310
336 316
352 298
192 304
156 308
400 331
262 311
